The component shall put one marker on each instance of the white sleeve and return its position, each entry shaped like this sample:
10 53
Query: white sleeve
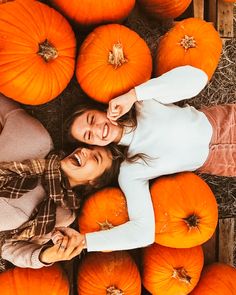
178 84
139 231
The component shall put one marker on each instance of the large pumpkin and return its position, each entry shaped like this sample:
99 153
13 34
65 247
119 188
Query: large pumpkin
165 8
37 52
103 210
185 208
112 60
90 12
112 273
27 281
192 42
217 279
170 271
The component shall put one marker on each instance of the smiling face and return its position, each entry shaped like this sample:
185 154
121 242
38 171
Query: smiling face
84 165
93 127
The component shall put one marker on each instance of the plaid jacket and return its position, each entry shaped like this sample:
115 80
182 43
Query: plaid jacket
17 178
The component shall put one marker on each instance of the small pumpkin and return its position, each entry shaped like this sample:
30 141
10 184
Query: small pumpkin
165 8
113 273
37 55
170 271
103 210
192 42
90 12
112 60
216 279
186 212
27 281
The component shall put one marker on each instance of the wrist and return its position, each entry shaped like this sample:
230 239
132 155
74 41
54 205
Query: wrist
84 242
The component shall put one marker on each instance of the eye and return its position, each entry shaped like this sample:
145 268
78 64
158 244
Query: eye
96 158
92 119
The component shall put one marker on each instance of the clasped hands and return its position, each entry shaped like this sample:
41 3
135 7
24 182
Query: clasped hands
68 243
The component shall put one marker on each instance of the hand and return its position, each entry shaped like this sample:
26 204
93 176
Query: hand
66 248
120 105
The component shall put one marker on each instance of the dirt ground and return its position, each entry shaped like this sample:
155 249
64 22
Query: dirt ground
220 90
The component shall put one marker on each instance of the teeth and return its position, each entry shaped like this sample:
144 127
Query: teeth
105 131
78 159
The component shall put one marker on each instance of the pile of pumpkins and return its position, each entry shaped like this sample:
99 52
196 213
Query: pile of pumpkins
186 216
38 57
38 52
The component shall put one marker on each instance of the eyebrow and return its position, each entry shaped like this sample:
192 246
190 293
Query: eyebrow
100 157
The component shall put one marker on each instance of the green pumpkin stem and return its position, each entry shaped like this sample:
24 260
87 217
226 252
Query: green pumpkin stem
116 56
112 290
47 51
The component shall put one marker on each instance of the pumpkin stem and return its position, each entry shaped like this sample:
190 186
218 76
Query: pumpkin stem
116 56
112 290
181 275
105 225
192 220
47 51
188 42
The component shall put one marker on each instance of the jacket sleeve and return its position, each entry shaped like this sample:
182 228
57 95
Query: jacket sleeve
23 254
139 231
178 84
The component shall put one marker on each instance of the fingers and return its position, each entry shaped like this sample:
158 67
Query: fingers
63 245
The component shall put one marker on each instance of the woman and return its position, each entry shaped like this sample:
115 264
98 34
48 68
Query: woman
38 195
165 139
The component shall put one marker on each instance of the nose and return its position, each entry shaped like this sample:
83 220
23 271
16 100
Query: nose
97 129
85 152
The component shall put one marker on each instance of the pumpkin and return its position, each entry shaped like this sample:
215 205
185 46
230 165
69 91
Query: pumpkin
190 42
27 281
185 208
231 1
37 55
103 210
90 12
216 279
112 60
113 273
5 1
165 8
170 271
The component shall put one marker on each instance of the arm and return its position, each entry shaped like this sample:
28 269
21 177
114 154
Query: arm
23 254
27 254
139 231
6 106
178 84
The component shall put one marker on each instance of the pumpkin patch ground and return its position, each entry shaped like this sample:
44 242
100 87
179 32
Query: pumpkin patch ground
220 90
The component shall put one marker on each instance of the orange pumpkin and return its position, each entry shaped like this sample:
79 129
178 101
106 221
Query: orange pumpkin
165 8
190 42
90 12
185 208
170 271
103 210
28 281
217 279
37 55
112 273
112 60
231 1
5 1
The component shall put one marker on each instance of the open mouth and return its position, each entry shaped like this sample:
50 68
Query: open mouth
76 160
105 131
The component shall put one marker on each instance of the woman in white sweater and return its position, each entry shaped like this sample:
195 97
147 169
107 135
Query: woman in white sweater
166 138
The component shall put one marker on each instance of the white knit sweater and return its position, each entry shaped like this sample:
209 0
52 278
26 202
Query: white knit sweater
176 139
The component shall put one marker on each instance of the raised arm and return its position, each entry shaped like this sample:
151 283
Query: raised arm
139 231
178 84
